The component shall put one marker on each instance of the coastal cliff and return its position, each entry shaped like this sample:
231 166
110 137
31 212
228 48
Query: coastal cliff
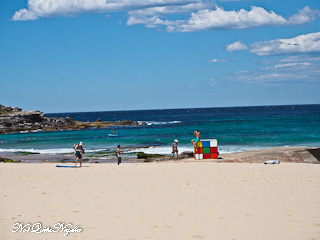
16 120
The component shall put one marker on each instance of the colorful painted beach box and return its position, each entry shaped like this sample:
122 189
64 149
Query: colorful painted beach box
206 149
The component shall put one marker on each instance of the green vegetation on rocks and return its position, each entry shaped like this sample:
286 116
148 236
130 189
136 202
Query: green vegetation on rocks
25 153
152 157
142 155
7 110
7 160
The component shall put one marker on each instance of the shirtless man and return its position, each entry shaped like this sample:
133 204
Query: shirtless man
197 139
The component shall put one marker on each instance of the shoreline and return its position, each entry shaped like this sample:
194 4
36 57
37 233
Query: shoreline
283 154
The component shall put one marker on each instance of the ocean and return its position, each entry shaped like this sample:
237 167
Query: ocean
237 129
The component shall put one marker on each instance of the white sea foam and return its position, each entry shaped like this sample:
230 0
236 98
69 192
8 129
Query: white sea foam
47 151
41 151
149 123
168 149
33 131
235 149
161 150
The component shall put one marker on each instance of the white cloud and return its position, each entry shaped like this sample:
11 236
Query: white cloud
150 16
304 15
290 65
301 69
307 43
218 18
150 22
169 9
266 78
218 60
300 59
213 82
24 14
236 46
221 19
49 8
204 15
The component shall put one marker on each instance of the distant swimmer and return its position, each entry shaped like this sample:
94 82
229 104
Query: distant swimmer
113 134
1 141
79 151
175 149
197 139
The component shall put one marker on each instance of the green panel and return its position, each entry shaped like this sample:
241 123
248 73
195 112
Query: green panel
206 150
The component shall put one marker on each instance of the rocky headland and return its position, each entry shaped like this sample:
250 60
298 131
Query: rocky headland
16 120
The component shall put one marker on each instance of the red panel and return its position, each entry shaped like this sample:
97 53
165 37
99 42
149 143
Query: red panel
213 150
206 155
214 155
198 150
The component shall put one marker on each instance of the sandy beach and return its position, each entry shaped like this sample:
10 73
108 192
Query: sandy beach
162 200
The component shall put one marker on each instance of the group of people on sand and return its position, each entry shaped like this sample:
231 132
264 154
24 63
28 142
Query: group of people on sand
80 150
194 141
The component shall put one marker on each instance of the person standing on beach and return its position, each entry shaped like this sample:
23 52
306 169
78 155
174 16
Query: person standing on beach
197 139
79 151
175 149
118 154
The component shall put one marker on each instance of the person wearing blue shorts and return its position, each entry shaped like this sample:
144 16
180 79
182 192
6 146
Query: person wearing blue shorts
197 139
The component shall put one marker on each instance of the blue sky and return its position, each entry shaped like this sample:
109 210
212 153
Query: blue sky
72 55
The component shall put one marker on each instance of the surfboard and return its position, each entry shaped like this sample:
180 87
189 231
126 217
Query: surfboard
66 166
112 135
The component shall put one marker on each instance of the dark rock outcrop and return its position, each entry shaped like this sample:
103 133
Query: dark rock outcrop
31 120
15 120
187 154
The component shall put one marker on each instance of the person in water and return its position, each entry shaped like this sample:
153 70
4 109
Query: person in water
118 154
175 149
79 151
197 139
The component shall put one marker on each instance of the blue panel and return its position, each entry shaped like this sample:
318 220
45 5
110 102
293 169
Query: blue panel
205 144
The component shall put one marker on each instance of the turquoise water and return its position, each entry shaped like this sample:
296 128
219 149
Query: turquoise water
237 129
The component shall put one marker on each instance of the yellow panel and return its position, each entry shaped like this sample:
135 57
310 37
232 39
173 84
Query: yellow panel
199 144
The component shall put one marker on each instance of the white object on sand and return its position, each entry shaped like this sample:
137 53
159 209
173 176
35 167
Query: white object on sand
272 162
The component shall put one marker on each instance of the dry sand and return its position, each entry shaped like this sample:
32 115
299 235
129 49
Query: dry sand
168 200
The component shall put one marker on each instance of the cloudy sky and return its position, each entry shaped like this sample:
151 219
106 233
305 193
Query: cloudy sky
101 55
